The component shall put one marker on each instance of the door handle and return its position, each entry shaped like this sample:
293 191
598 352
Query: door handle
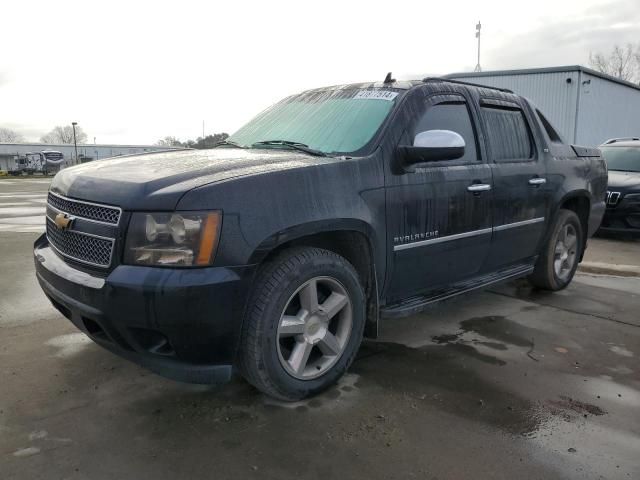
537 181
479 187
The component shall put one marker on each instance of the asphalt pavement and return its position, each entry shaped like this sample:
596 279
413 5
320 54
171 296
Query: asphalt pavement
505 383
22 204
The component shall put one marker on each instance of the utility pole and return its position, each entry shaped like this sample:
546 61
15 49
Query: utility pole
75 143
478 28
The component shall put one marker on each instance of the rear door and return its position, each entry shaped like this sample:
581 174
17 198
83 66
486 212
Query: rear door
438 216
520 188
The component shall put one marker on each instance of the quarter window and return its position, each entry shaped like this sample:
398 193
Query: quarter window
508 134
452 116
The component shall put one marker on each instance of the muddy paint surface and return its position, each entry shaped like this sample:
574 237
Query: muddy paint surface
508 383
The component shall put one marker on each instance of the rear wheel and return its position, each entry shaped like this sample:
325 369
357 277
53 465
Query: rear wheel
304 324
559 258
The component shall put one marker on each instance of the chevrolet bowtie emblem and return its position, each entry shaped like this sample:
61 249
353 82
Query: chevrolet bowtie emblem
63 221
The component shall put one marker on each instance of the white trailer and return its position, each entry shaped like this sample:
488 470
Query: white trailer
45 162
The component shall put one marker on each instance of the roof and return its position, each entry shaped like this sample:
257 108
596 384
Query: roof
624 143
530 71
397 84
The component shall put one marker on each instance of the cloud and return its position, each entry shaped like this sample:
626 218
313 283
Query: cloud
568 41
163 77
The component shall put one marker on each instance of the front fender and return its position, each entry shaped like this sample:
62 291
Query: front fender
299 231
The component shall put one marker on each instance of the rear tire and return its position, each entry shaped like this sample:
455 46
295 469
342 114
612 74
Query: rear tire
304 323
559 258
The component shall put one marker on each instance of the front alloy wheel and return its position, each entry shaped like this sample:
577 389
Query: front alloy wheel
314 328
304 323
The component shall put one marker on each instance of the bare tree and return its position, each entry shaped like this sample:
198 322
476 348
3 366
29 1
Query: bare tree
10 136
622 62
169 142
64 134
200 143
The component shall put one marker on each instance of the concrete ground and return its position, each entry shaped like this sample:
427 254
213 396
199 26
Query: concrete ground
506 383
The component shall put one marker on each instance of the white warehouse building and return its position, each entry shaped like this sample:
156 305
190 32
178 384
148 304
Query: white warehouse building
86 152
585 106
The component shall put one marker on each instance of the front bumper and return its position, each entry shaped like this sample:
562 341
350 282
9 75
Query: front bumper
184 324
622 218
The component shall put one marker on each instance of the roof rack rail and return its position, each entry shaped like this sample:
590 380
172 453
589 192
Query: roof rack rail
460 82
622 139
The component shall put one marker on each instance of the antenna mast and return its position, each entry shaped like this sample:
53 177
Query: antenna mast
478 28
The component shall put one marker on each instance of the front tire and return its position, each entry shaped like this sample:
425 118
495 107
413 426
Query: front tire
558 261
304 323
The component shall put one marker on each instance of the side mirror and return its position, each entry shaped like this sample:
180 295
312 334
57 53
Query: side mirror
433 146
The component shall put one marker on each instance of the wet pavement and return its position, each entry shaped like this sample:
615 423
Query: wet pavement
22 204
505 383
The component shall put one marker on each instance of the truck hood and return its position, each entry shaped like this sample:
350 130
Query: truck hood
156 181
624 180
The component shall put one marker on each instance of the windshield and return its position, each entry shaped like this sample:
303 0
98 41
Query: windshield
622 158
331 121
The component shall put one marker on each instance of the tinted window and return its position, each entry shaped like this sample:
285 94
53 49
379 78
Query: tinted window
454 117
508 134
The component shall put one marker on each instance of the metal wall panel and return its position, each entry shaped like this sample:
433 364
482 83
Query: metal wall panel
96 152
607 110
549 91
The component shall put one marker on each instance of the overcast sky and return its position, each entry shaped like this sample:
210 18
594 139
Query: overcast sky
133 71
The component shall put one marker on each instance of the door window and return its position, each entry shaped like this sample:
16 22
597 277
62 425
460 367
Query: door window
452 116
508 133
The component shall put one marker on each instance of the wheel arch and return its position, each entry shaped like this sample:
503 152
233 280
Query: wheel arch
353 239
578 201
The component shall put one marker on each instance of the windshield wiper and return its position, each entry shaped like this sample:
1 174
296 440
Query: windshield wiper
229 143
295 145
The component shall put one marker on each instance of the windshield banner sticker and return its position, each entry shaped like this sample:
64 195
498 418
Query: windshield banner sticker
375 95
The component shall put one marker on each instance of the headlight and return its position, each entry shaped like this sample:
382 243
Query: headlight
187 239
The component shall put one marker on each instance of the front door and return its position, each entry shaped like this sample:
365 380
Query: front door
520 190
439 215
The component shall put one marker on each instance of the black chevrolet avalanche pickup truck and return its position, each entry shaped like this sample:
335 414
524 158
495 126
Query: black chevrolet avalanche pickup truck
275 252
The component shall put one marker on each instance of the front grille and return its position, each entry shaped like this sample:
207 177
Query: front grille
82 247
90 211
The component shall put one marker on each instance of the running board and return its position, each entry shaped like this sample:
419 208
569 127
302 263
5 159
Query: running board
416 304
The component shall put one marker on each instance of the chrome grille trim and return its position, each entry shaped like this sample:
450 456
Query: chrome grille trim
57 240
79 209
613 198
